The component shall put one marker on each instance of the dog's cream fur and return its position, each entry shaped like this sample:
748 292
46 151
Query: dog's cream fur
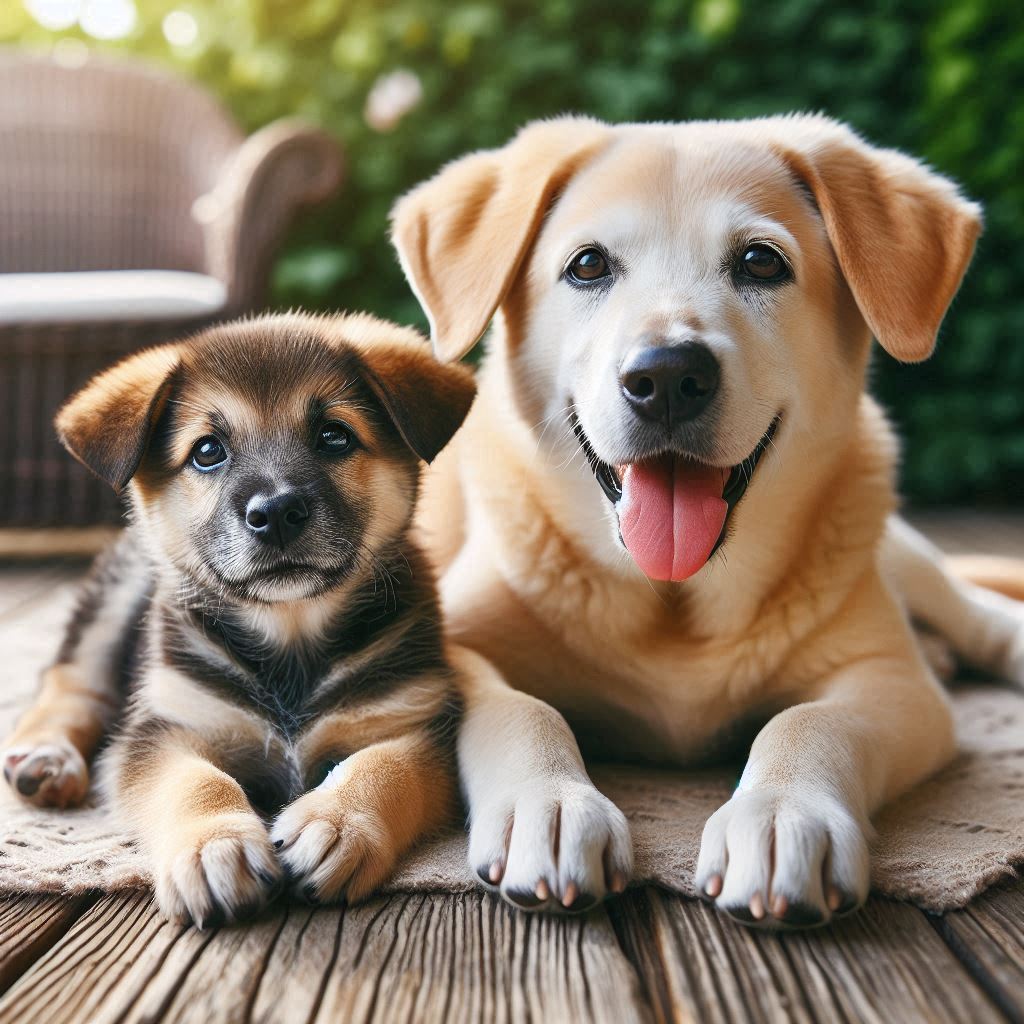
794 623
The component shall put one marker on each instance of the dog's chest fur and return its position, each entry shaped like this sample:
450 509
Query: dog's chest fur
674 674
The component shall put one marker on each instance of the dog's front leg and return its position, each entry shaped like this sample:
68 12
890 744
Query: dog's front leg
791 845
540 832
210 853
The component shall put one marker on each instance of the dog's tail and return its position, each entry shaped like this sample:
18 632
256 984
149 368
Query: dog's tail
1003 575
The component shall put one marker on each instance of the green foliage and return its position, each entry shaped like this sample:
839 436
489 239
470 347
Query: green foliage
942 80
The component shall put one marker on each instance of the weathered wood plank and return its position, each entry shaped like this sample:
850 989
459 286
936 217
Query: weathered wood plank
882 965
988 938
29 926
420 957
72 981
471 958
56 542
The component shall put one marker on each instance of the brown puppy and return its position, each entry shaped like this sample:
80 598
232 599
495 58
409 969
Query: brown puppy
664 515
274 626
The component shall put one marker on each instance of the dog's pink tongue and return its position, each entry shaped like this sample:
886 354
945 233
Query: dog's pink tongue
672 515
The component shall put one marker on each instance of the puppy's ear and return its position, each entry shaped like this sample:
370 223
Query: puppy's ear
426 400
463 235
108 424
903 234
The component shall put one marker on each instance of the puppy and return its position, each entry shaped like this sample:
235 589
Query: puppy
274 627
666 515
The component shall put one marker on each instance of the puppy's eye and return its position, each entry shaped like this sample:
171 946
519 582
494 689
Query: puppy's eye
588 265
761 262
335 439
208 453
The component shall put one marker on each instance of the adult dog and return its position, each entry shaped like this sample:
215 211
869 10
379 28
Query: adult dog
667 513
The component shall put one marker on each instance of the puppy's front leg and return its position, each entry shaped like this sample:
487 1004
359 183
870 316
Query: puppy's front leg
790 847
540 831
46 759
344 838
211 855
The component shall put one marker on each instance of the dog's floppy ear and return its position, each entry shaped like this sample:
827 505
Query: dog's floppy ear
462 236
425 399
903 234
107 425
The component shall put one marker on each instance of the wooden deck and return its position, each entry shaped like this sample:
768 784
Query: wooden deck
648 955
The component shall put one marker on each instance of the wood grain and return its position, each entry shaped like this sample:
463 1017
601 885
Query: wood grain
56 542
883 965
29 926
988 938
406 957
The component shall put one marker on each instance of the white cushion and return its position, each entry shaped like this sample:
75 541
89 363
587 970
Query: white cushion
108 295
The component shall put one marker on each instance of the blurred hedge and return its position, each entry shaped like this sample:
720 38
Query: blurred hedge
943 80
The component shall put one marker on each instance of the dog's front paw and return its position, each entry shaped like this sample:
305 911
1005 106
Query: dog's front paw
778 858
50 774
220 868
558 846
333 849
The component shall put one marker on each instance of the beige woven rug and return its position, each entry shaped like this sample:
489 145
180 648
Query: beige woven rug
938 847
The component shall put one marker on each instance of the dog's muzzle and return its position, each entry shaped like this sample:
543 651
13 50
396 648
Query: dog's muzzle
673 510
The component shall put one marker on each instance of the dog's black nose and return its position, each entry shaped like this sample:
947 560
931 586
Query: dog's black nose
670 383
277 518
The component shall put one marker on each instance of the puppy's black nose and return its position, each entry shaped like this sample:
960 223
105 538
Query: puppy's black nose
670 383
278 518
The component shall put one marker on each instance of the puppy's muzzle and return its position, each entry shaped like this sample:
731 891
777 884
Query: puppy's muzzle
277 519
669 384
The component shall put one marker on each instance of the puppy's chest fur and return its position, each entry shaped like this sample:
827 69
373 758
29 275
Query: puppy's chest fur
286 681
280 706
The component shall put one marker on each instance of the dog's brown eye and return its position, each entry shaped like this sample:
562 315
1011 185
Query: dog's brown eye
588 265
335 439
208 453
764 263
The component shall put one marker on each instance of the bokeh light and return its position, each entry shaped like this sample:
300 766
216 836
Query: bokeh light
55 15
108 19
180 29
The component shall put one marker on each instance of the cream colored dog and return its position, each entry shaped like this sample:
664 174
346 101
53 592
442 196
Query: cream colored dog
665 513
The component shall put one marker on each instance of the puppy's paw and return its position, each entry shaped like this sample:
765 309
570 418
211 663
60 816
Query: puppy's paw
220 868
332 849
776 858
554 845
52 774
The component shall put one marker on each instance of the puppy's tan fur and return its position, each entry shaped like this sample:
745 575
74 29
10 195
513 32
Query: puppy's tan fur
793 627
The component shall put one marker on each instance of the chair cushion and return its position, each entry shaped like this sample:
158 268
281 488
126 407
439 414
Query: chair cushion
108 295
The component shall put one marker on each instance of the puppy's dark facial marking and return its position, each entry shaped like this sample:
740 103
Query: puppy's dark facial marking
277 473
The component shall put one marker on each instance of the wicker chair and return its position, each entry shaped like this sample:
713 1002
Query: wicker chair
118 170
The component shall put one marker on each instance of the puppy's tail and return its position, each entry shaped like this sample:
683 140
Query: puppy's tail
1003 575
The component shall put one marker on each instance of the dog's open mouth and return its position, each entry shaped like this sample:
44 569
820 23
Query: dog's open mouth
672 509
